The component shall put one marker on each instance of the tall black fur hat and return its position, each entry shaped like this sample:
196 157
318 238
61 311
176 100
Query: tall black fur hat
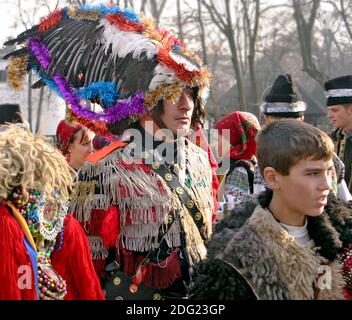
338 90
283 97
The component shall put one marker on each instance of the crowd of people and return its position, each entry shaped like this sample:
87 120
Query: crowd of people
128 204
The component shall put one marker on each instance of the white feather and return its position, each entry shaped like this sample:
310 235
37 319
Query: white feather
162 75
124 42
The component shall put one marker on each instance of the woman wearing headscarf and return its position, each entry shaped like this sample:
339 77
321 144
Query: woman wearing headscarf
75 142
239 130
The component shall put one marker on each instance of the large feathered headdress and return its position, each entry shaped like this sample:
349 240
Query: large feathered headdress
109 56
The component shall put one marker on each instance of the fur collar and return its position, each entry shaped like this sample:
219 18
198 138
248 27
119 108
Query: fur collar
331 231
278 267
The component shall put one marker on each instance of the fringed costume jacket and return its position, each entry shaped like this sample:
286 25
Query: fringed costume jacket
124 205
252 257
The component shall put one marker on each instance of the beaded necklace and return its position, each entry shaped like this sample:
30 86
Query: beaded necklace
51 285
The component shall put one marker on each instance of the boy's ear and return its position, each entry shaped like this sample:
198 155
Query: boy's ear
267 118
271 177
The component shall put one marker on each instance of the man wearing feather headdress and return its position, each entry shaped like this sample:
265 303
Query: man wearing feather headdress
146 203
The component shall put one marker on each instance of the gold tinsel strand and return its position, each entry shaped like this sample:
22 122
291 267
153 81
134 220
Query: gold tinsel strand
16 71
168 92
84 15
78 14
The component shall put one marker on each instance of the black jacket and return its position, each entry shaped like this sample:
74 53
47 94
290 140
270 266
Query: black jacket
337 137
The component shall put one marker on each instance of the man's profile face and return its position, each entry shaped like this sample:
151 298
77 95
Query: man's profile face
340 115
177 116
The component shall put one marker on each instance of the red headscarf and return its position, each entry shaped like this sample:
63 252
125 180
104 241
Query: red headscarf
243 128
64 133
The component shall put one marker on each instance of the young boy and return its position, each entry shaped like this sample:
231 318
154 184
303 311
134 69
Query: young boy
282 245
282 102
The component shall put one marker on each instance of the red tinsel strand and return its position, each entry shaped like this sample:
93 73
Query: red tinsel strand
124 24
98 127
51 20
168 40
181 72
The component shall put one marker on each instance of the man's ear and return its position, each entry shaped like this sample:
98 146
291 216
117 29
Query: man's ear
271 177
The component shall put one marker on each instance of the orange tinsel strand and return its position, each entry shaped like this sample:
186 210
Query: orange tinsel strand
51 20
123 24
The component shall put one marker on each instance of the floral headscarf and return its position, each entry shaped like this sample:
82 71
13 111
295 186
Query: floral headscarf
243 128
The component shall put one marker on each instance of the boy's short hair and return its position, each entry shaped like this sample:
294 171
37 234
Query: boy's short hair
281 144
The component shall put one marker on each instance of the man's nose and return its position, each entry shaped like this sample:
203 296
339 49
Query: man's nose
91 148
186 102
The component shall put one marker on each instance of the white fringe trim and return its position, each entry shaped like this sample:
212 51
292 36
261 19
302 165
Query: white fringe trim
137 193
97 248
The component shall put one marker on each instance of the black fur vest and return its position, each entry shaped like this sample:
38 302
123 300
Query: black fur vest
251 256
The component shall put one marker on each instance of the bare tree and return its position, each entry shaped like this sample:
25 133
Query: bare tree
156 10
29 99
201 27
225 26
179 20
143 4
252 34
306 38
345 11
39 110
79 2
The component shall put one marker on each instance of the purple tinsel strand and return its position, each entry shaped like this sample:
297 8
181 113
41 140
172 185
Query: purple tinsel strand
123 109
119 111
40 51
66 91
